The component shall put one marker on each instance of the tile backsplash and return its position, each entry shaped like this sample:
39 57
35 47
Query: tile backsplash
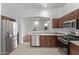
64 30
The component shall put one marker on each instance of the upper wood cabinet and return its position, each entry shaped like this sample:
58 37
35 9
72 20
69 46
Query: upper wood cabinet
61 22
55 23
63 19
75 14
58 23
7 18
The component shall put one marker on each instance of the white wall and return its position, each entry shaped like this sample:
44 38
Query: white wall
50 13
69 7
28 25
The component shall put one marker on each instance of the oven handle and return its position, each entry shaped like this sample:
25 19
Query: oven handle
60 39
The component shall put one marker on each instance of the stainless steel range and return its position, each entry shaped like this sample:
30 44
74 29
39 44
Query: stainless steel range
63 43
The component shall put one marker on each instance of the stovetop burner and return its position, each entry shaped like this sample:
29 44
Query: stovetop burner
68 37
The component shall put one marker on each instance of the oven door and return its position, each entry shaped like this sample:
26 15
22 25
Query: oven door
63 46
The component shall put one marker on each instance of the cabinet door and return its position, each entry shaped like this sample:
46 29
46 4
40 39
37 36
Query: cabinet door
75 14
54 41
48 41
61 21
78 14
55 23
43 41
74 49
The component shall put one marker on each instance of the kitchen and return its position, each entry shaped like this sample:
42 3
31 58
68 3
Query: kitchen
51 25
67 42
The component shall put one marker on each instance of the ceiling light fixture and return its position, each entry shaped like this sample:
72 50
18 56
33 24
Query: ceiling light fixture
36 22
45 24
45 5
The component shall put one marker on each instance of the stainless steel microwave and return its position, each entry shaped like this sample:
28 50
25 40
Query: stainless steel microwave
74 24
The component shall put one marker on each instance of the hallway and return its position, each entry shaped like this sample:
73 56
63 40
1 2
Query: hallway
25 49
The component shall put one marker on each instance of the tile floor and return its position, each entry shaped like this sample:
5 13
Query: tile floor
25 49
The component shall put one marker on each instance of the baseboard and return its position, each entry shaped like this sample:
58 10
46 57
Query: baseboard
35 46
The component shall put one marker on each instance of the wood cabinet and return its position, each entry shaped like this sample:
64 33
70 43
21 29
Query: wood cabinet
7 18
70 16
61 22
48 41
55 23
74 49
75 14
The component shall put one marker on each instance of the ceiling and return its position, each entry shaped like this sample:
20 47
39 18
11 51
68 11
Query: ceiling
34 5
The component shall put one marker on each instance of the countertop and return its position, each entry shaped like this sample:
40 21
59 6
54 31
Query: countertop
75 42
47 34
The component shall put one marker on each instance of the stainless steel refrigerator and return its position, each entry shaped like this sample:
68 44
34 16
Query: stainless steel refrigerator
8 36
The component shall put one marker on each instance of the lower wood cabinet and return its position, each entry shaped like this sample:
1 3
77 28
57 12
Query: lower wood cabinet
74 49
48 41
